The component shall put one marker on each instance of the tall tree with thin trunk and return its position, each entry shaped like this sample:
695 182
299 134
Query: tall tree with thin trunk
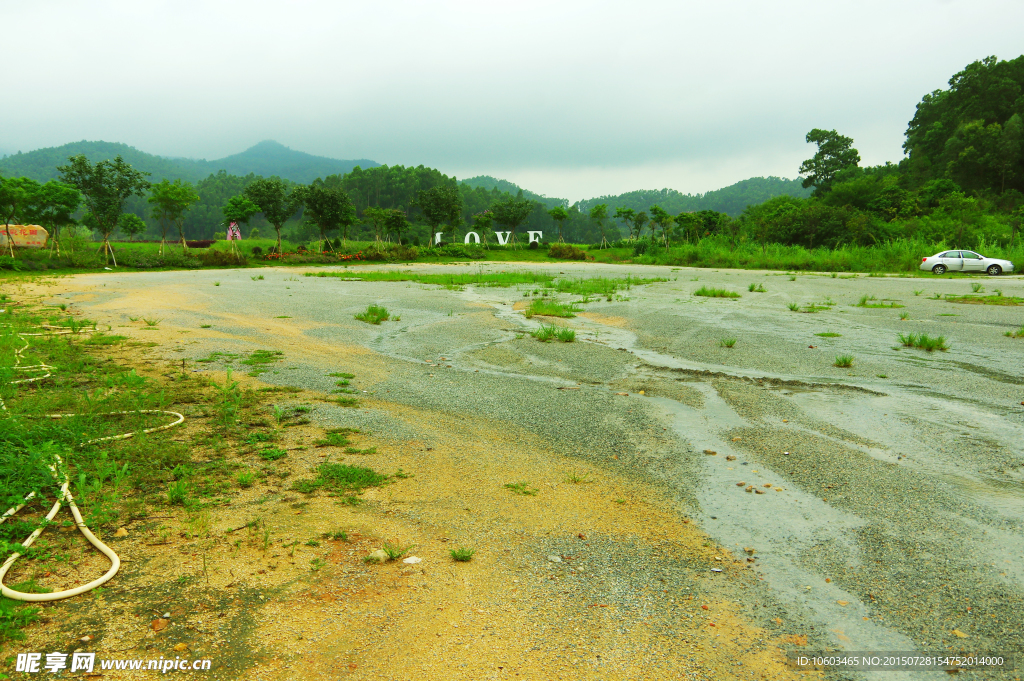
626 215
171 200
440 205
106 187
275 201
328 208
511 213
599 214
16 197
559 214
52 207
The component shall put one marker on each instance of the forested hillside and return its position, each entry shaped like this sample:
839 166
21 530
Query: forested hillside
266 159
487 182
730 200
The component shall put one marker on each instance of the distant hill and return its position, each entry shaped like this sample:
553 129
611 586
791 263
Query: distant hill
270 158
489 183
266 159
731 200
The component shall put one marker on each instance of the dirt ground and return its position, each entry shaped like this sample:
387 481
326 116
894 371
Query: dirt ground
639 550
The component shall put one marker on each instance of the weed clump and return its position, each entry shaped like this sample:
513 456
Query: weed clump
462 554
521 488
551 308
339 478
709 292
923 342
727 342
844 361
757 288
375 314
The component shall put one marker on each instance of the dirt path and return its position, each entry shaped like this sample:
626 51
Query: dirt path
594 572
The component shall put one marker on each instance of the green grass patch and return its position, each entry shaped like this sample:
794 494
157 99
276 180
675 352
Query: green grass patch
869 301
828 334
521 488
259 360
727 342
551 308
844 361
710 292
374 314
1019 333
757 288
986 300
923 341
339 479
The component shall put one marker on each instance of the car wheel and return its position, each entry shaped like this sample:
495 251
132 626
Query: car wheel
994 270
939 269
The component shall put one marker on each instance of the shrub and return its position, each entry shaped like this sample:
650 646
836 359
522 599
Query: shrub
566 252
257 251
844 361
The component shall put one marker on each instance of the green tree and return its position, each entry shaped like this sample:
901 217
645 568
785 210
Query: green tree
375 217
240 209
483 223
958 205
639 220
626 215
835 154
688 225
53 206
328 207
599 214
661 218
16 197
1010 151
131 224
511 213
106 187
559 214
440 205
395 221
170 201
275 201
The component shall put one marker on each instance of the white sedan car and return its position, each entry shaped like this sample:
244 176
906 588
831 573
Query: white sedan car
965 261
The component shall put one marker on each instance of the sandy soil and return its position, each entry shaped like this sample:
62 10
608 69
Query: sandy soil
880 506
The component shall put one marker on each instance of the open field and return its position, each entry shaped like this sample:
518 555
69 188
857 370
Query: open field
690 487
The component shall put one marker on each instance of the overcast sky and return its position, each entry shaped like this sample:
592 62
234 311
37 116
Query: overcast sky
570 99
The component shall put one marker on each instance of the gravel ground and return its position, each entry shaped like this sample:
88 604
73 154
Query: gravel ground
898 524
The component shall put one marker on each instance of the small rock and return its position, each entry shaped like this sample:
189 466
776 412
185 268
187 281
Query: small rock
167 615
718 558
750 559
828 580
767 484
710 452
740 484
378 556
750 550
730 458
627 395
750 488
703 607
786 453
159 624
843 603
581 536
412 560
85 639
758 491
957 632
736 439
716 569
555 559
181 647
121 532
641 392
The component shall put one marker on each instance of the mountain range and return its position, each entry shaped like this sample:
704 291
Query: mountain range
269 158
266 158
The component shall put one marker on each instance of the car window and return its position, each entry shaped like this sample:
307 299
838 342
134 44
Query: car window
950 254
971 256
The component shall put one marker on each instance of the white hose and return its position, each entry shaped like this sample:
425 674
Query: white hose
58 471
